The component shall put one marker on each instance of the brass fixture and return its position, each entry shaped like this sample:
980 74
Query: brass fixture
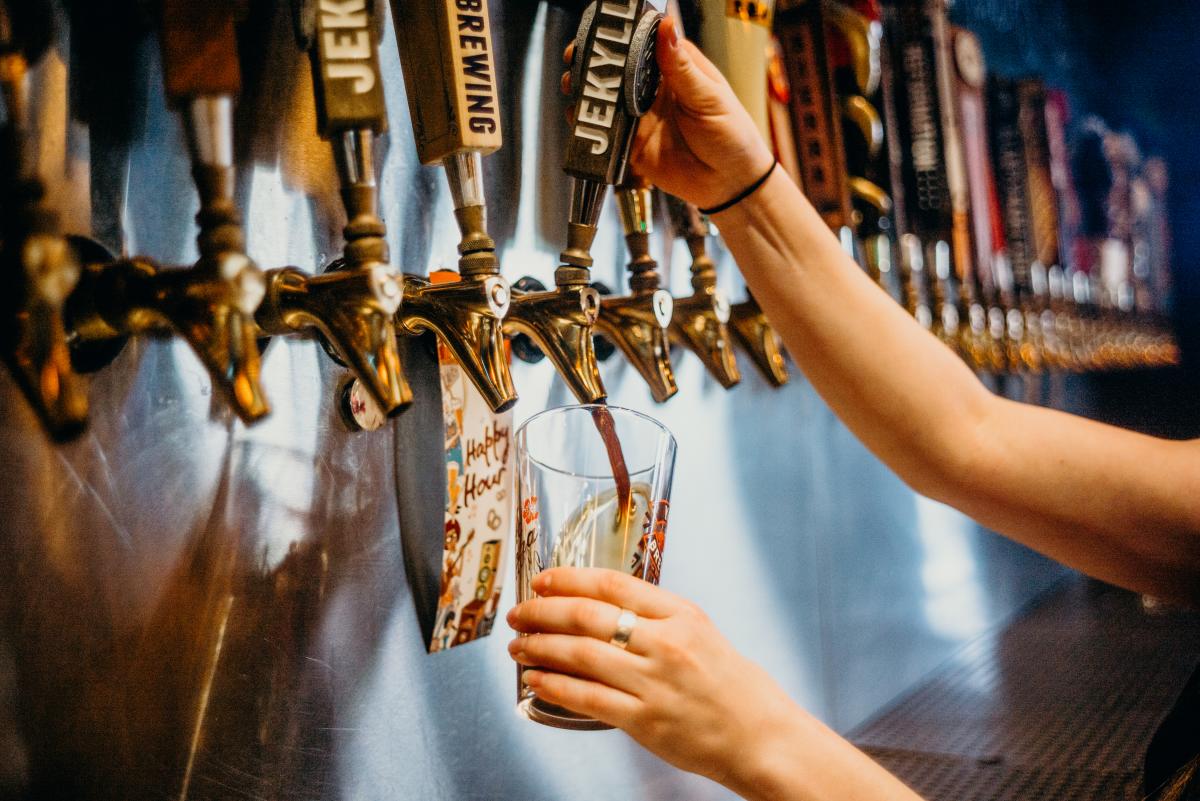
559 321
700 322
637 323
211 304
39 264
351 304
456 121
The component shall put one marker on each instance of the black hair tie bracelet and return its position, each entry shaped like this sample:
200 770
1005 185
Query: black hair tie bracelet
740 196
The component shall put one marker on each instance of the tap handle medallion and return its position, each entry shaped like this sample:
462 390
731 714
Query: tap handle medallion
346 75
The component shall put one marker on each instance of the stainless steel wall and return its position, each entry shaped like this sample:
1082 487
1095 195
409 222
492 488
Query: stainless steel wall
194 609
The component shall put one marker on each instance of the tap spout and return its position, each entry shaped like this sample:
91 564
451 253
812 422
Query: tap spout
469 316
560 321
754 333
34 339
210 305
636 324
352 309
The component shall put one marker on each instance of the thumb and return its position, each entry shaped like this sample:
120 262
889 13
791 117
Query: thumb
693 86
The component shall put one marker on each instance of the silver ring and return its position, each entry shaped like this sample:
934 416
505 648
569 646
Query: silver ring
626 622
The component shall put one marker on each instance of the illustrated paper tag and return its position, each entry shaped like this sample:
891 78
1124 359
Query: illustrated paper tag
479 508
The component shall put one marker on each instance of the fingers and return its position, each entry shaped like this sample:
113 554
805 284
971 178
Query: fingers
583 657
584 697
569 54
565 615
693 79
612 586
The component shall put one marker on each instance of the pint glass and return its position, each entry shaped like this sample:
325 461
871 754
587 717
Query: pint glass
594 490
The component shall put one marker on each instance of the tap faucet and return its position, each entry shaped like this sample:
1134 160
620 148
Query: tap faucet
40 264
456 121
701 320
738 44
351 304
211 304
614 49
637 323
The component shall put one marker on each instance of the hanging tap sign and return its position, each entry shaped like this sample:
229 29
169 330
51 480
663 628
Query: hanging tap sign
346 68
455 516
449 75
614 80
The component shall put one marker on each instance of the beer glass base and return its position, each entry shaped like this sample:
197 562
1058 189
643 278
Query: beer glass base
556 716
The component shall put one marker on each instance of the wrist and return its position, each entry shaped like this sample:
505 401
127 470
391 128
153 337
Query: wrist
769 764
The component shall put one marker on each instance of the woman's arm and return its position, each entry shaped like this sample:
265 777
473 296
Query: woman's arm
682 691
1121 506
1118 505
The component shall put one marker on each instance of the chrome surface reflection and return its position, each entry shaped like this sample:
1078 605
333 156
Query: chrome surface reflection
194 609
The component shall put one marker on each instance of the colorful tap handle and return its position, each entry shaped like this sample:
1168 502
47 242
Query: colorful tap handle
816 114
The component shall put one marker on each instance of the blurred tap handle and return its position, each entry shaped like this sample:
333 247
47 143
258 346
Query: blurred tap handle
701 320
446 55
210 305
863 37
37 264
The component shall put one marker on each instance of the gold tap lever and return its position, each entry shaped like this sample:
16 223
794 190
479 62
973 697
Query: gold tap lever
701 320
637 323
352 303
736 36
38 263
211 305
614 79
446 55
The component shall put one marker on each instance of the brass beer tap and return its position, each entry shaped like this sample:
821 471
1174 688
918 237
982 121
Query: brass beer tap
40 264
446 56
637 323
614 79
736 36
351 304
211 304
701 320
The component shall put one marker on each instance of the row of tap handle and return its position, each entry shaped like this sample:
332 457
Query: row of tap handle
76 305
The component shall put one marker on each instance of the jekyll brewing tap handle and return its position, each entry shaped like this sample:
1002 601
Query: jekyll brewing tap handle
446 56
352 303
614 79
449 73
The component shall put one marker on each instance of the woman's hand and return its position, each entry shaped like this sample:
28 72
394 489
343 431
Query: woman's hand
680 689
697 142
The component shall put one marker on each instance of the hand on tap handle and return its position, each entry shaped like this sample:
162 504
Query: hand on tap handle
615 81
351 305
37 262
446 56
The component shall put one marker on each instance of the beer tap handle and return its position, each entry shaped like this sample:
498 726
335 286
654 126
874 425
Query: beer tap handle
352 304
446 56
614 80
212 304
37 262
